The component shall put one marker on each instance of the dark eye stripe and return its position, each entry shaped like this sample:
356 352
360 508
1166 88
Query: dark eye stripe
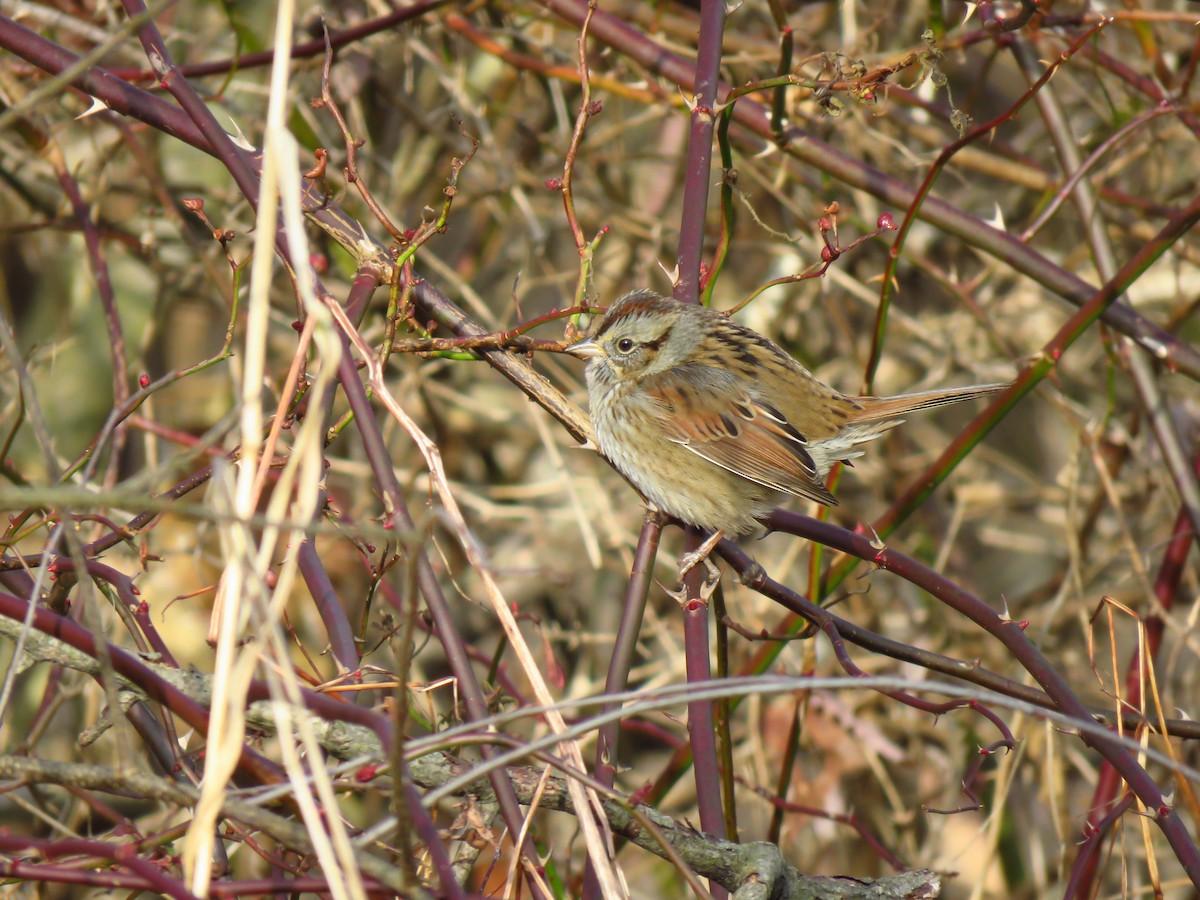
659 341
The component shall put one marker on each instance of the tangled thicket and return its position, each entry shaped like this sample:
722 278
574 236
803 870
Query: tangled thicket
294 506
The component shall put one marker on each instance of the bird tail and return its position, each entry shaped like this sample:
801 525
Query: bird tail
875 409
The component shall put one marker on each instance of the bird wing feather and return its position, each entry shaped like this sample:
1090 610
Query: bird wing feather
743 435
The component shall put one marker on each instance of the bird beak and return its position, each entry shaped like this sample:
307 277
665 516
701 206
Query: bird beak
586 349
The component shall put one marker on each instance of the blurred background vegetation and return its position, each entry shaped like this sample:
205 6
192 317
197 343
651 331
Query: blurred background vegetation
1068 500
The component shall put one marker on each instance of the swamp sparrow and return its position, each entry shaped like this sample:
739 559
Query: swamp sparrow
716 424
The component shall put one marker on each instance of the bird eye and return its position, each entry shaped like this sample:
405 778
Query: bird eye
624 345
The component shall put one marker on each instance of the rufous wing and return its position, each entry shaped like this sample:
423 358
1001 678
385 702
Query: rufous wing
731 429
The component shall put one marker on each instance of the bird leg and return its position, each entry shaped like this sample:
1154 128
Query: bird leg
701 554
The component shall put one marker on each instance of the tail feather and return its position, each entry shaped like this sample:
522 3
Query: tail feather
875 409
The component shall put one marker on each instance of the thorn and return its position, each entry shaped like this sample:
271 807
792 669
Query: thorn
997 219
876 541
240 139
158 64
680 596
770 148
1005 614
97 106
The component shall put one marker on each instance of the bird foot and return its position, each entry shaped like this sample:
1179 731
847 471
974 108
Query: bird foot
702 554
